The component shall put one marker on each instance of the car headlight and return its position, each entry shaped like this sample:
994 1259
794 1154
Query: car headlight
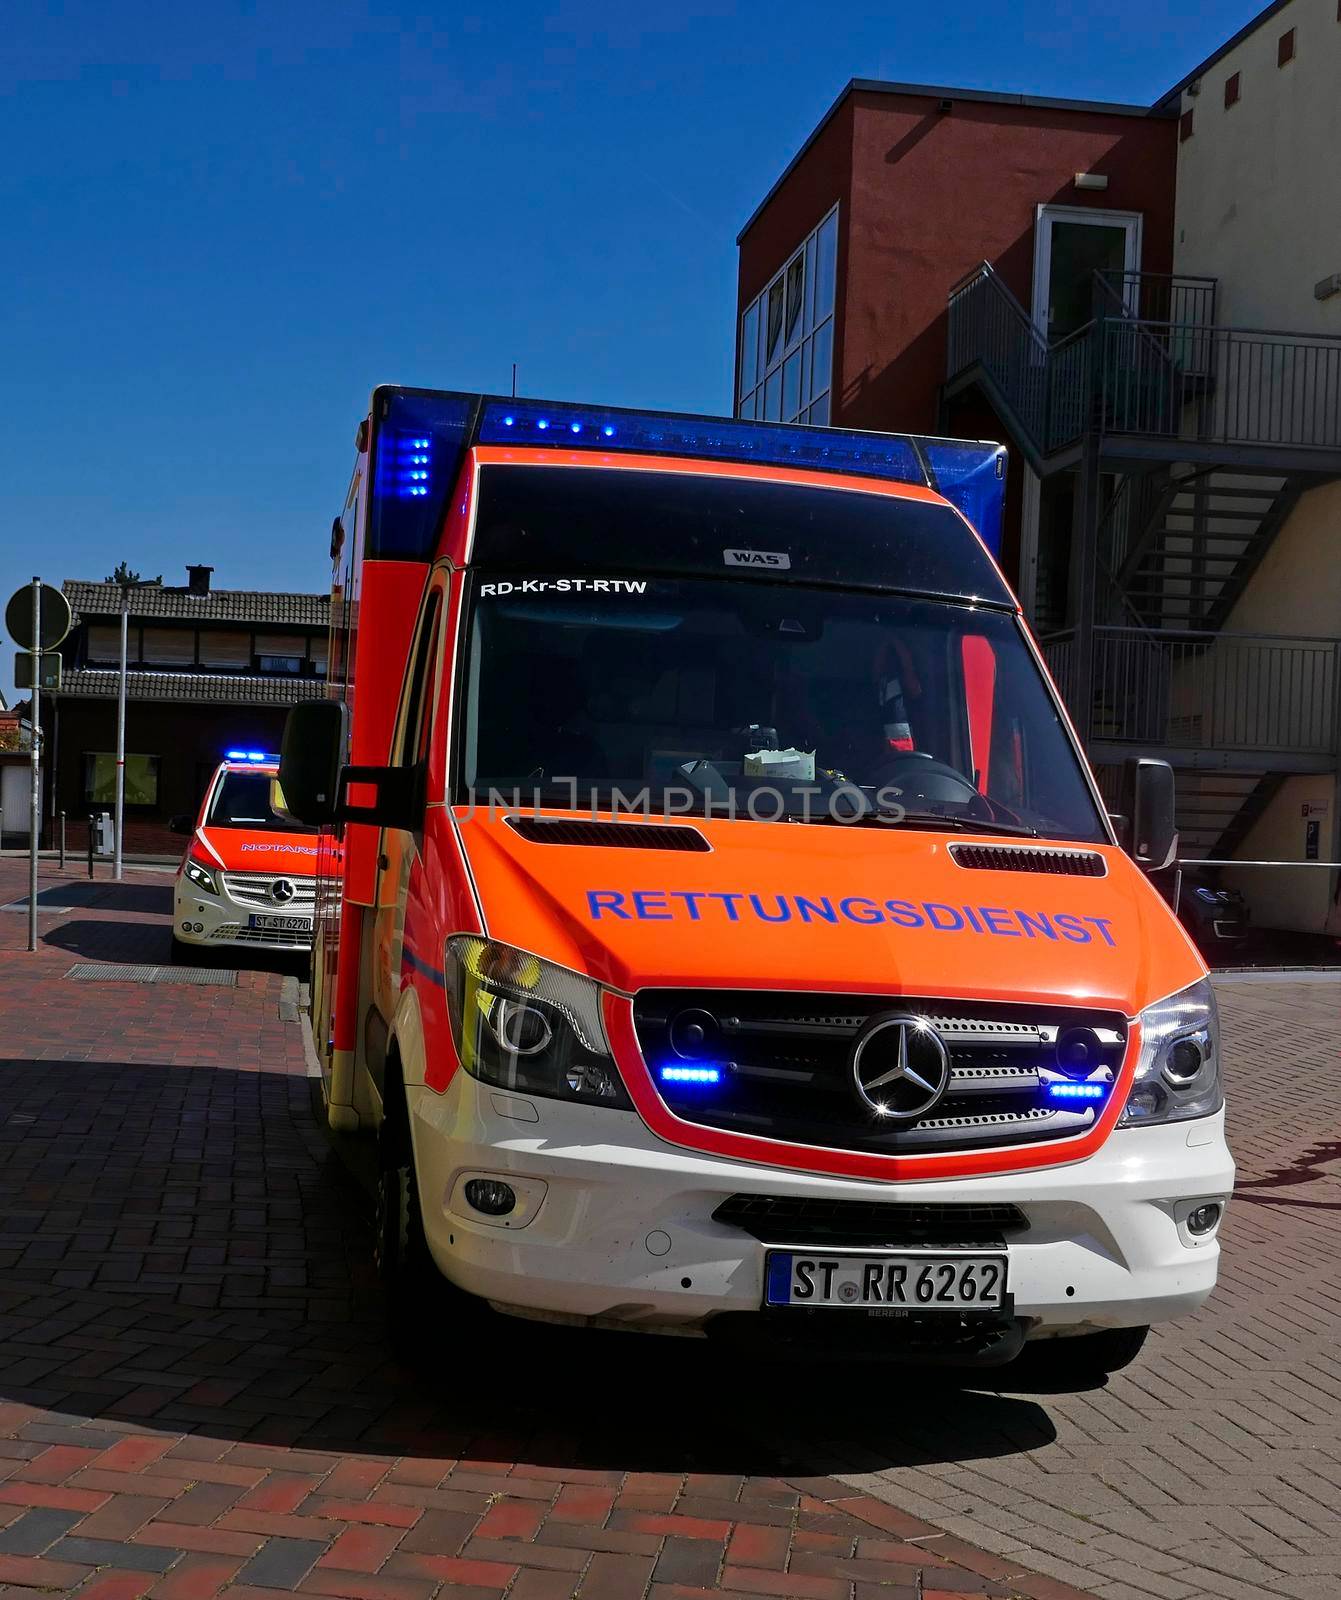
1178 1075
525 1024
202 877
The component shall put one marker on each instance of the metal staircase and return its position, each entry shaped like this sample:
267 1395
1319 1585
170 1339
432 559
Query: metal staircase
1208 531
1190 443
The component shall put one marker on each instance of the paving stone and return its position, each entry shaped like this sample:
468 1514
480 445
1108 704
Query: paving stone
195 1372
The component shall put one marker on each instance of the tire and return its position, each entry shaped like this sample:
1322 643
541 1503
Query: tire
1083 1360
399 1246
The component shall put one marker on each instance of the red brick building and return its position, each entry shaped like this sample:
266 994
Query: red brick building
899 192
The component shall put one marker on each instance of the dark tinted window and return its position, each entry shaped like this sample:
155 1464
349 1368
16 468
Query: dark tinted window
599 520
763 685
247 800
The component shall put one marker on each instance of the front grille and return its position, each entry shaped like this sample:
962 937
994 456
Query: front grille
257 889
785 1065
788 1219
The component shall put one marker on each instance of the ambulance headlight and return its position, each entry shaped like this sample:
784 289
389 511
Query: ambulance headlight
1178 1075
202 877
527 1025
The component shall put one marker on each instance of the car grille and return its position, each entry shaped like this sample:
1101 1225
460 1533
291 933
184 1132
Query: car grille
785 1061
788 1219
255 889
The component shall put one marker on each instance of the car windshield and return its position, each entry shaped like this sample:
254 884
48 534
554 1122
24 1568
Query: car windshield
764 700
251 800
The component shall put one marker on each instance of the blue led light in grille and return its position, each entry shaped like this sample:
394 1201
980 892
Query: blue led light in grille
1077 1091
690 1074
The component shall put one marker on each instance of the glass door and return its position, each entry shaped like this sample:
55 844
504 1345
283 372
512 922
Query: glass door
1071 244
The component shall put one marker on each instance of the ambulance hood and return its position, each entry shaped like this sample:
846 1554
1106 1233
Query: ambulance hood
292 855
834 908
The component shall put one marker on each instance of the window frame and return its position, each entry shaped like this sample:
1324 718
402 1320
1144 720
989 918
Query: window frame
784 384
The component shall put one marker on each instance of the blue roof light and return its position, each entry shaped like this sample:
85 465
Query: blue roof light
889 456
576 427
253 757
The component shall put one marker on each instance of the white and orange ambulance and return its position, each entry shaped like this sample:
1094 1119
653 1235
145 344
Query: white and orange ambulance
248 877
721 932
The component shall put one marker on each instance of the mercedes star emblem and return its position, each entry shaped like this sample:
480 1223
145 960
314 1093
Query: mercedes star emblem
282 891
900 1066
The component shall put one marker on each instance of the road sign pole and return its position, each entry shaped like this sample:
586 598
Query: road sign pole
121 739
34 798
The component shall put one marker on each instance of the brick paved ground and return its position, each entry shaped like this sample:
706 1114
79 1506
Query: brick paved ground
1212 1468
197 1393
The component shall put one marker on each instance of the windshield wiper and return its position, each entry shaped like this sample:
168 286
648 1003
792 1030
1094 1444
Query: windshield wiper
937 819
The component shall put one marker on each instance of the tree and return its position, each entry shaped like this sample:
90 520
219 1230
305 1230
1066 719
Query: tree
128 579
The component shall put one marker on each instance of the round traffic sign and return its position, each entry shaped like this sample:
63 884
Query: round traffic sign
53 617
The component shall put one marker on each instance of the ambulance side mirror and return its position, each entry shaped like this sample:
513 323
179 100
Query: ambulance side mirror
316 736
1151 833
384 797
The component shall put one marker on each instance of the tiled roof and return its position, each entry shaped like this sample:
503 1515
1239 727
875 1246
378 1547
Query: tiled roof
236 689
219 605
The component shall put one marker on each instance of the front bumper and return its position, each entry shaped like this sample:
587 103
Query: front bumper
204 919
615 1226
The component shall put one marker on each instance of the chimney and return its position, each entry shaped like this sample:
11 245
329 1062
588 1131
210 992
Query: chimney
198 580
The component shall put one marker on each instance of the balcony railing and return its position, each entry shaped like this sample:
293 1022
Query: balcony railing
1161 297
1129 372
1221 385
1207 691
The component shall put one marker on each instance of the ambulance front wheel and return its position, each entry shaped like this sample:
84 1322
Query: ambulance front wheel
1082 1360
399 1246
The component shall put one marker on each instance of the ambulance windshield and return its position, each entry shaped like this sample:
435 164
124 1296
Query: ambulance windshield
761 699
251 800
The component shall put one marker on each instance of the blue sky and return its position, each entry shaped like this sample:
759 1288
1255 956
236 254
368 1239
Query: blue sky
224 222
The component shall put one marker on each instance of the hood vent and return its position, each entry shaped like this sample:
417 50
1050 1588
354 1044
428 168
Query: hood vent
619 835
1019 858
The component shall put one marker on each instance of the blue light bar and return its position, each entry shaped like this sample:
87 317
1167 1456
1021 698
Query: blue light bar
418 441
690 1074
972 477
253 757
872 455
1077 1091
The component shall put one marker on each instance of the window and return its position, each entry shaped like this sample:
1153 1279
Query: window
419 711
231 650
280 652
684 688
1285 47
100 779
317 654
251 800
1232 89
1185 126
169 647
786 337
104 642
